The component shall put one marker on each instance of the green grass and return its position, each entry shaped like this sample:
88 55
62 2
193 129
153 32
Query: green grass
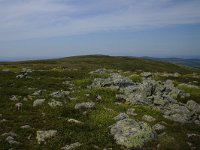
50 74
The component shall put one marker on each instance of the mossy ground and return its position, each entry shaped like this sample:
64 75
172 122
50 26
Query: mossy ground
50 74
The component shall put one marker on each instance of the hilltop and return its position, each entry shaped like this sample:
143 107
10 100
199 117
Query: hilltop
99 102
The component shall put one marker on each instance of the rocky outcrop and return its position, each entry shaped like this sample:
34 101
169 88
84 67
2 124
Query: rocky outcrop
157 94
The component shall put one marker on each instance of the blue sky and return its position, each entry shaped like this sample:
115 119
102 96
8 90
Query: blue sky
59 28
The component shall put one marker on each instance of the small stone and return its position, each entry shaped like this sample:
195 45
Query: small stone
37 93
74 121
158 127
14 98
121 116
148 118
43 135
10 134
25 127
71 146
55 103
3 120
131 111
38 102
99 97
11 140
86 105
59 94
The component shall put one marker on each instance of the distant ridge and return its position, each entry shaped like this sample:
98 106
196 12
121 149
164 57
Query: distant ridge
194 63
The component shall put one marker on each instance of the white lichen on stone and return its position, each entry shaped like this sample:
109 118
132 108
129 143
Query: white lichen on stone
38 102
43 135
129 133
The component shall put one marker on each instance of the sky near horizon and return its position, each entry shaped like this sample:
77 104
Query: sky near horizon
59 28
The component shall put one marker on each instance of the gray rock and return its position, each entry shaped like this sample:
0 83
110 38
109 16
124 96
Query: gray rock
178 118
159 101
158 127
121 116
178 113
3 120
59 94
146 74
71 146
28 70
14 98
131 111
129 133
114 80
148 118
53 103
74 121
9 134
11 140
86 105
37 93
193 106
25 127
43 135
38 102
101 71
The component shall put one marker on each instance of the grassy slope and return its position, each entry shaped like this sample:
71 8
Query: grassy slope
95 130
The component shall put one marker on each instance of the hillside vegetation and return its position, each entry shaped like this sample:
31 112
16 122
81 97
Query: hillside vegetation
98 102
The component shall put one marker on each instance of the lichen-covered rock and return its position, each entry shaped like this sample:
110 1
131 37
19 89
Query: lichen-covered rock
86 105
54 103
114 80
158 127
38 102
59 94
74 121
178 113
146 74
131 111
14 98
11 140
129 133
148 118
193 106
159 101
37 93
101 71
71 146
43 135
